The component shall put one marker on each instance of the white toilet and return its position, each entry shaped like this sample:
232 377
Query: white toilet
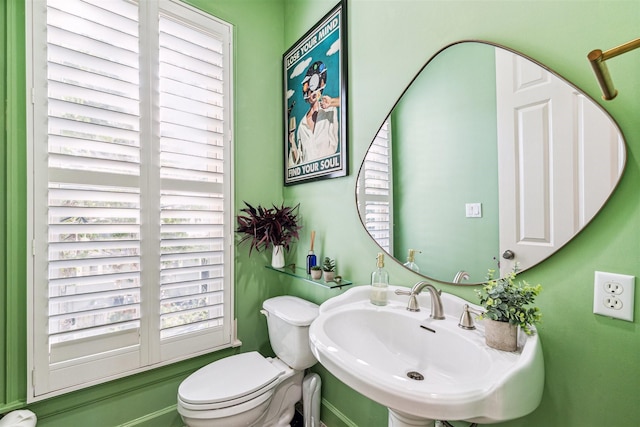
248 389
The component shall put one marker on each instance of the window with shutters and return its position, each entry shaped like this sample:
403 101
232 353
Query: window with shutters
131 210
375 191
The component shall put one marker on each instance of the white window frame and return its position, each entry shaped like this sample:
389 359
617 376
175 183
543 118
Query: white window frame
151 352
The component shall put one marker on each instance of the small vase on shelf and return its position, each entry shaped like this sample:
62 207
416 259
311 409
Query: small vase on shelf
328 269
277 256
329 276
316 272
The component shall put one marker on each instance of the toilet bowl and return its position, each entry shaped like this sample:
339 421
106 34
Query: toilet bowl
249 389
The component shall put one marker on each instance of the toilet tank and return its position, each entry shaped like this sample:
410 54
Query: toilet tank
288 320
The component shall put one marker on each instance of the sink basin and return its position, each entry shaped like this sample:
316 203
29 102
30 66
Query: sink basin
424 369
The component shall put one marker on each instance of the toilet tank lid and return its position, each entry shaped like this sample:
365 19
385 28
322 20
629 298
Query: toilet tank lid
293 310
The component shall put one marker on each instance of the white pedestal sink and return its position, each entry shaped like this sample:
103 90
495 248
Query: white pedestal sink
424 369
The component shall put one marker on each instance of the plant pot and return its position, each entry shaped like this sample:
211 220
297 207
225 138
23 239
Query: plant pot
329 276
316 274
501 335
277 256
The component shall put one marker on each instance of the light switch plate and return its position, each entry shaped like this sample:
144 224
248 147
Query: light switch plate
474 210
613 295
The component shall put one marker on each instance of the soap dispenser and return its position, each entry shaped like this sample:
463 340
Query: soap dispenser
379 283
411 264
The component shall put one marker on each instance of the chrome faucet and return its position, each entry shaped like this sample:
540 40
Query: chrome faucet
436 303
460 276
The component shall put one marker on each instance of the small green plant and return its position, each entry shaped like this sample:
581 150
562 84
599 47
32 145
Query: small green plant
316 267
508 301
329 264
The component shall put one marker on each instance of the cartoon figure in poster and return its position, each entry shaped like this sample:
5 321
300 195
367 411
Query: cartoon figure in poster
318 130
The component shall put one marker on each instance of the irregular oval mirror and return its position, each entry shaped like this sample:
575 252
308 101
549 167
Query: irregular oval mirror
487 156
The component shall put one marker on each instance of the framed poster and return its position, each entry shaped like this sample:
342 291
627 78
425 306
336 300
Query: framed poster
315 100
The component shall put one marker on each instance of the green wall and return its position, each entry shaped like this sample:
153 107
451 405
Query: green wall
444 156
591 362
12 206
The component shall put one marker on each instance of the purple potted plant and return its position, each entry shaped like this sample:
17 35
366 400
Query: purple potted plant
275 227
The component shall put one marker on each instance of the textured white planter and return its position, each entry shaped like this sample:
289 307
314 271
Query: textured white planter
501 335
277 257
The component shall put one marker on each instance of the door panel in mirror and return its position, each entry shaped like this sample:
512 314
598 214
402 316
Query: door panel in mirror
484 125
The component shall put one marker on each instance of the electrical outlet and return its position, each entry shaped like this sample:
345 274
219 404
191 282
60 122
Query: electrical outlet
613 287
613 295
613 303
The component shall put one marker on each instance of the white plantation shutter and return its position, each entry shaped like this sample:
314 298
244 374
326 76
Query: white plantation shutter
375 190
192 190
131 189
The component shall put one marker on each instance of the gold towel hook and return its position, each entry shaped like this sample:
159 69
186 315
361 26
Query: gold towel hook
597 57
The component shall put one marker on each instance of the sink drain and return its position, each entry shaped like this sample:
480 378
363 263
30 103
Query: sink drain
415 375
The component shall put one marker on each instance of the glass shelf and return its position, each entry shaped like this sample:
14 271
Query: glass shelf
301 273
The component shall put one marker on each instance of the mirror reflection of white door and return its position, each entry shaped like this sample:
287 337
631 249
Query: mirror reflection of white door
542 165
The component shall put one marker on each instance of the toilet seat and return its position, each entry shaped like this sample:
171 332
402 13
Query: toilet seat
229 382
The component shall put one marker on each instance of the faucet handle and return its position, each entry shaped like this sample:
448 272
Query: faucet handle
413 304
466 321
413 301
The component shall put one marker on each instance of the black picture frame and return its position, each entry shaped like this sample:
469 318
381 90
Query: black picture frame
315 102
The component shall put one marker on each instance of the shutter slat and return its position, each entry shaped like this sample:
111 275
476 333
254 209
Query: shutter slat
178 30
83 61
61 37
189 274
77 303
85 79
211 96
98 150
179 49
190 301
188 120
82 215
191 246
65 337
93 250
192 316
97 115
194 287
210 82
174 331
209 106
94 10
90 97
92 132
196 217
86 325
89 284
78 268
